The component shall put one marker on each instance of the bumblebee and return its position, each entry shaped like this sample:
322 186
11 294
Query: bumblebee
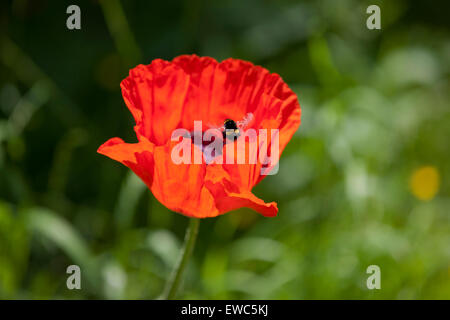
231 130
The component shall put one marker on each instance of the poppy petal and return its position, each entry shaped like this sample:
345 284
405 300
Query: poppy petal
180 187
117 149
155 96
228 196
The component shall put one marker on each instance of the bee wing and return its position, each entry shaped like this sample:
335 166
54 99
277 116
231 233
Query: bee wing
246 121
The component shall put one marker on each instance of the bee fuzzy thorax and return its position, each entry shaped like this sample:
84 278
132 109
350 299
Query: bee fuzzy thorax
231 129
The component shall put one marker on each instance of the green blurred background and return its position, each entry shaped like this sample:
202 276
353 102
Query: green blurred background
364 180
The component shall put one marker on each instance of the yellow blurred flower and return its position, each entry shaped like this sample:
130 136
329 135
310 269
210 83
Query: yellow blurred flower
424 182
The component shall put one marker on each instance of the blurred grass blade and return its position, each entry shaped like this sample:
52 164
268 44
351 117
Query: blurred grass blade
14 251
131 190
59 231
61 162
120 31
47 223
322 61
36 97
29 73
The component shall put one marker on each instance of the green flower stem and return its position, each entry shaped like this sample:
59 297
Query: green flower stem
174 281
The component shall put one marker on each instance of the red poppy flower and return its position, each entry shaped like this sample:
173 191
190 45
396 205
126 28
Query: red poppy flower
165 96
